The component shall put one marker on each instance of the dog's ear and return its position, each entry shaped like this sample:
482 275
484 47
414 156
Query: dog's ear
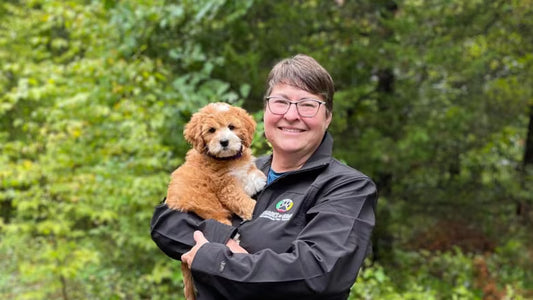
193 132
248 124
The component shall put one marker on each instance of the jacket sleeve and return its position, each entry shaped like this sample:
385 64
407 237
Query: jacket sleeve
172 230
323 260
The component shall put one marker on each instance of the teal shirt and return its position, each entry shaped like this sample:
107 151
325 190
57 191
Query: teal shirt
272 175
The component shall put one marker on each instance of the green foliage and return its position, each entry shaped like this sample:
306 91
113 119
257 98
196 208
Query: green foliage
424 275
432 103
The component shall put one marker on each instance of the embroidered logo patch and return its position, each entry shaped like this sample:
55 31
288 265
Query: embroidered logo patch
284 205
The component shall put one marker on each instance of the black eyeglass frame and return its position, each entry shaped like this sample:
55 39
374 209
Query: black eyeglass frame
320 102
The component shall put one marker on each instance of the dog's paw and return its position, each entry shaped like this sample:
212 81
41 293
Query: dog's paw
256 181
260 181
248 211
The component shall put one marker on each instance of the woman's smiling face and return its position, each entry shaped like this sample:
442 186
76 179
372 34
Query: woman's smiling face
290 133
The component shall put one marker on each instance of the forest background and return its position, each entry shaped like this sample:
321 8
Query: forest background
434 102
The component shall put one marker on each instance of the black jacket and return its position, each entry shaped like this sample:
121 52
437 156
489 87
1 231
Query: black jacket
307 240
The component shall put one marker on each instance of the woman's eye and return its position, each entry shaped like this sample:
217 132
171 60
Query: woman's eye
231 127
212 130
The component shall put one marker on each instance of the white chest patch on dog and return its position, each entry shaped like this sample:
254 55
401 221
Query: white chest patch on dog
222 106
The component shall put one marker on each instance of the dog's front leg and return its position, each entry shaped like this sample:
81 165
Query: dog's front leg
235 199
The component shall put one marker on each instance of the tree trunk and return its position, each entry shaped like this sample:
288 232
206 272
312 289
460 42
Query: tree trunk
528 153
523 206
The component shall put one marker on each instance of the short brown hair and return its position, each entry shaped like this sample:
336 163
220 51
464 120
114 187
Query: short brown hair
303 72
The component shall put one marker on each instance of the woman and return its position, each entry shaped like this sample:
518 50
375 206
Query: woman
312 222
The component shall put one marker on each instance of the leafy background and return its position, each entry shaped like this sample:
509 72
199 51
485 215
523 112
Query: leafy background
434 102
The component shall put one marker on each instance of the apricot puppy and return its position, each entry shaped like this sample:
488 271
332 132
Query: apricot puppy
219 175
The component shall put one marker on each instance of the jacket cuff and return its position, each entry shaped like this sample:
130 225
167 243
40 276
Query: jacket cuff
210 259
217 232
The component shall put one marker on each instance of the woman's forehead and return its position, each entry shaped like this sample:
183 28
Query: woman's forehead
289 90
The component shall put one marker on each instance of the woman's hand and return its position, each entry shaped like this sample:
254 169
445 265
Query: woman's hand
200 240
235 247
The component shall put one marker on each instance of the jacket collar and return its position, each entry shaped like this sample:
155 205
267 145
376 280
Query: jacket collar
321 157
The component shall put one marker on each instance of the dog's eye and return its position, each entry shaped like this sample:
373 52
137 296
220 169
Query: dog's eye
231 127
212 130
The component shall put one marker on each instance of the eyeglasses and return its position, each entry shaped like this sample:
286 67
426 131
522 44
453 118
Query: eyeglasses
307 108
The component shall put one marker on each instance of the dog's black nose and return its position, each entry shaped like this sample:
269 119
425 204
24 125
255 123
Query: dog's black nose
224 143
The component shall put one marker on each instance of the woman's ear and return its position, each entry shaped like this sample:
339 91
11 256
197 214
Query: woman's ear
329 117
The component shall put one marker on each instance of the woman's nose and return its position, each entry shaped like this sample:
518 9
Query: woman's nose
292 113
